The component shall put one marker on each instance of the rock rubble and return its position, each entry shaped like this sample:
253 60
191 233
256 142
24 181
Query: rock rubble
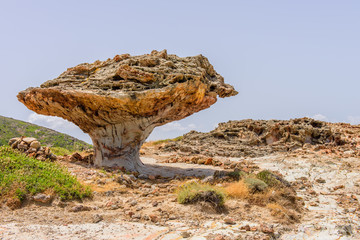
32 147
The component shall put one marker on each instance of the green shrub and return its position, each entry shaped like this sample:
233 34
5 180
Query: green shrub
237 175
255 185
269 178
195 192
22 176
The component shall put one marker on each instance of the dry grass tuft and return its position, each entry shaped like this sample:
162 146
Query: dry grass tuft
238 190
276 209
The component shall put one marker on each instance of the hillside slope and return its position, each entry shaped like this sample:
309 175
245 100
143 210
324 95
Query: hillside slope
10 128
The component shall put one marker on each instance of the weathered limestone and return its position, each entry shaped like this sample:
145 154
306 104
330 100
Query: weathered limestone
118 102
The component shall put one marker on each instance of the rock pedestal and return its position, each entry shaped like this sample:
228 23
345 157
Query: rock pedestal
118 102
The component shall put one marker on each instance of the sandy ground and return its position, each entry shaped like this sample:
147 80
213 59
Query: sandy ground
329 186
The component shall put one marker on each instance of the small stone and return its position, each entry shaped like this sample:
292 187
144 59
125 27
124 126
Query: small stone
52 156
137 216
320 180
153 218
75 157
29 140
47 151
40 197
41 158
152 177
35 144
338 187
312 192
201 161
114 207
229 221
132 177
97 218
208 179
143 176
185 234
22 146
15 144
80 208
13 140
31 150
266 229
245 227
133 202
109 193
209 161
155 203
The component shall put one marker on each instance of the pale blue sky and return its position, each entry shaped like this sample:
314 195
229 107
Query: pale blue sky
287 59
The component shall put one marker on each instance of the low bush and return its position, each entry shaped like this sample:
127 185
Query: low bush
196 192
255 185
269 178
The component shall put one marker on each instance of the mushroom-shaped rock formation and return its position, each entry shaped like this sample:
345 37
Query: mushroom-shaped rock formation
118 102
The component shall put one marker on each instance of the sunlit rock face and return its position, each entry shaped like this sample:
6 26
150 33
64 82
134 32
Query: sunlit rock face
118 102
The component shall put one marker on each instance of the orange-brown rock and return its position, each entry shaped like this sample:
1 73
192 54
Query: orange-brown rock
118 102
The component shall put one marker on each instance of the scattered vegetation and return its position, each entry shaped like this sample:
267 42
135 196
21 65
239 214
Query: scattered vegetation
10 128
60 151
22 176
269 178
194 192
255 185
166 140
266 189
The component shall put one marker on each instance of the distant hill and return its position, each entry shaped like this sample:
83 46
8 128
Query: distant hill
10 128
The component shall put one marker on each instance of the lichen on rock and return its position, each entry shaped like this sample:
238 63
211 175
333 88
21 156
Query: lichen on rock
118 102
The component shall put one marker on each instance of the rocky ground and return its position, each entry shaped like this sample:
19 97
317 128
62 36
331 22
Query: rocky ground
325 176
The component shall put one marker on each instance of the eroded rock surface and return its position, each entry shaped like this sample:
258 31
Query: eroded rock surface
254 138
118 102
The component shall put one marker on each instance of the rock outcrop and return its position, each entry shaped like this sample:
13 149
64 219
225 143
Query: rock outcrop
32 147
254 138
118 102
